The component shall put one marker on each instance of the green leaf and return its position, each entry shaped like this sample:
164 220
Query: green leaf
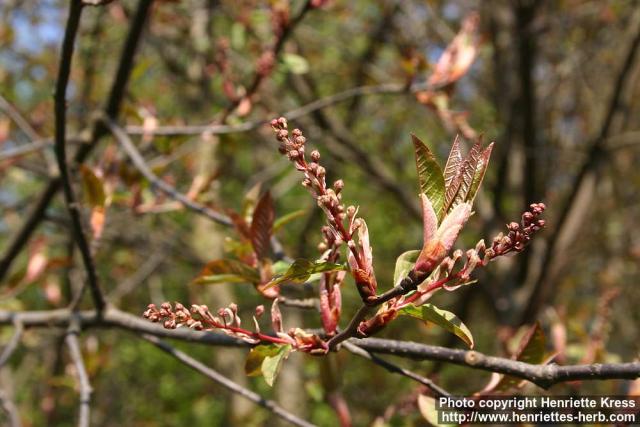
296 64
531 350
92 187
444 319
283 220
427 407
404 264
266 360
301 269
430 175
227 271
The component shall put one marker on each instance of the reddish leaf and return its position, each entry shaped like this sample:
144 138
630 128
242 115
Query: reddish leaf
262 225
459 55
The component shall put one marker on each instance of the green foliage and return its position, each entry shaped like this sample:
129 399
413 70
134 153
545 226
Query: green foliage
445 319
266 360
302 269
404 264
429 175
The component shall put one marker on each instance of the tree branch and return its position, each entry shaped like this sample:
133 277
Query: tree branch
66 56
577 204
542 375
83 379
311 107
112 108
12 345
227 383
135 156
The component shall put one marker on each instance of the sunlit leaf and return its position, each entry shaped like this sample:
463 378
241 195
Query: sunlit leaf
454 162
227 271
481 168
302 269
444 319
429 174
266 360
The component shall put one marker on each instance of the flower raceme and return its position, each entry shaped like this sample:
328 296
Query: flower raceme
446 196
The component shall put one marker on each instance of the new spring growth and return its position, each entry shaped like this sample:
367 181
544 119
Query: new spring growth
360 258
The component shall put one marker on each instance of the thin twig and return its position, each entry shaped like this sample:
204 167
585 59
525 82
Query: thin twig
439 391
123 139
112 108
217 129
83 379
572 212
73 22
227 383
12 345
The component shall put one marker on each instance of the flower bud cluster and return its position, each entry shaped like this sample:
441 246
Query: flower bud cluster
292 144
199 318
519 235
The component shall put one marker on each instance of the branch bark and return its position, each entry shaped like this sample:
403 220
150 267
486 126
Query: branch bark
542 375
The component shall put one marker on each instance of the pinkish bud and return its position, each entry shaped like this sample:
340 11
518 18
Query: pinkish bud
300 140
259 310
315 156
513 226
351 211
282 122
293 154
296 132
282 134
338 185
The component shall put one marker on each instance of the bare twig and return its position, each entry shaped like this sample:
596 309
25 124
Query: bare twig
227 383
576 205
73 22
217 129
12 345
112 108
83 379
135 156
439 391
542 375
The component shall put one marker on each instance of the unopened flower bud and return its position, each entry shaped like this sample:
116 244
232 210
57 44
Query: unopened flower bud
513 226
300 140
338 185
351 211
315 156
259 310
282 122
321 172
322 246
282 134
293 154
296 132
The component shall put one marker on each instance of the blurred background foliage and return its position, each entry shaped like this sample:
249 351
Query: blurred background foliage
540 87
